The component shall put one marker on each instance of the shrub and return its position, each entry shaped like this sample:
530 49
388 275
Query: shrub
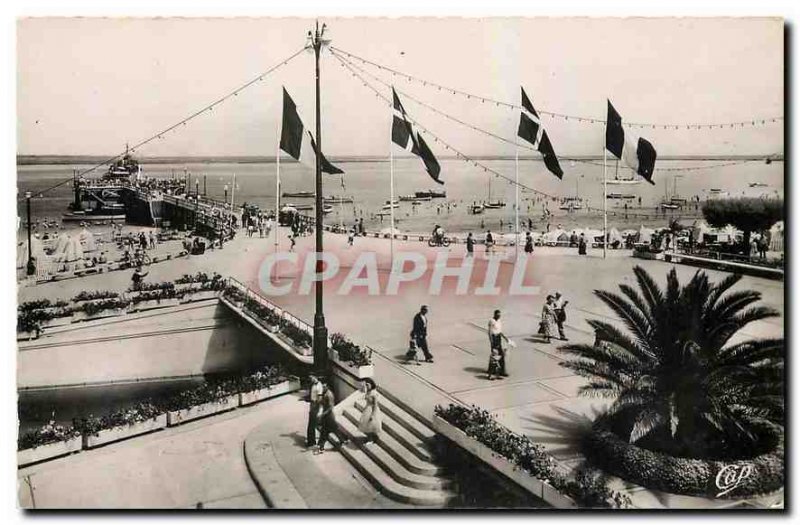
587 489
680 475
50 433
350 352
90 296
299 337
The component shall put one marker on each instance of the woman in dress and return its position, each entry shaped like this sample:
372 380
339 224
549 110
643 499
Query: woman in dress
548 324
370 422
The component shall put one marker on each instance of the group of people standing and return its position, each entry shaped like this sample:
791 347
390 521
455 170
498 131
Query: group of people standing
322 414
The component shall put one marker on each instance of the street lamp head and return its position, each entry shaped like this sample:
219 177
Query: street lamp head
28 195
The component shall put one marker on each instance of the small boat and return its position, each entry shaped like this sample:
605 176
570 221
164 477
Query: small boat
407 198
389 206
476 209
433 194
337 199
494 205
301 207
298 194
327 209
758 185
669 206
715 190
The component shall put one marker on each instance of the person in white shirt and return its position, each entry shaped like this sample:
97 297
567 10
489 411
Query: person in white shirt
497 354
314 398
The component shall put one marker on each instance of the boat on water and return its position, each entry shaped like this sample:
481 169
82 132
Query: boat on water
715 190
669 206
433 194
494 205
623 181
300 207
476 209
123 169
625 196
298 194
337 200
758 185
326 209
407 198
390 205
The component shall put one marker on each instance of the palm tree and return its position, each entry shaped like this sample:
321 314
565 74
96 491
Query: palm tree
675 374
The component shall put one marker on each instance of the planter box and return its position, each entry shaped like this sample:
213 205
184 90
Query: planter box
110 435
49 451
248 398
361 372
82 316
57 321
152 304
200 295
176 417
533 485
27 336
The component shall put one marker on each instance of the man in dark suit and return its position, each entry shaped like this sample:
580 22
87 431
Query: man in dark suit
420 332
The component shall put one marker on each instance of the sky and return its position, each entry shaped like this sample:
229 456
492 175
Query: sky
86 86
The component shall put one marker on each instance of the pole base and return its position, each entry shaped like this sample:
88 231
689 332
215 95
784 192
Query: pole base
320 345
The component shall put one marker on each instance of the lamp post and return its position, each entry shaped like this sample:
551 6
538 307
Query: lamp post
196 201
316 42
226 195
31 267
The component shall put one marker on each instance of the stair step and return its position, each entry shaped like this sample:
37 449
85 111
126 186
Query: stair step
403 445
390 446
403 417
385 483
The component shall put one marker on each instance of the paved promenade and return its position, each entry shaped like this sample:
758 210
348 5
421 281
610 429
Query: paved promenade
539 398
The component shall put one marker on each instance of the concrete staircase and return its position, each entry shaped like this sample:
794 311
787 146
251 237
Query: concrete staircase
400 464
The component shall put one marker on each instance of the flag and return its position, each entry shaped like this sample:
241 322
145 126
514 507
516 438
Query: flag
530 129
403 135
636 152
297 141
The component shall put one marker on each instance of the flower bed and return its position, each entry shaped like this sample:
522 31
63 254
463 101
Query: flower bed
520 459
141 418
222 404
110 435
298 337
677 475
268 392
93 296
351 357
49 451
234 295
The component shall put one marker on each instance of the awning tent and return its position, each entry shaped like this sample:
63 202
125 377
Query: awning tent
555 237
776 237
645 234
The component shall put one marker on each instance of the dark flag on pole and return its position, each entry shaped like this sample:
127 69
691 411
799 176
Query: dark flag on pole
530 129
636 152
403 135
297 141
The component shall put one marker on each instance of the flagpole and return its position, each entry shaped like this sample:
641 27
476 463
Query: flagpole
516 197
605 202
391 196
277 190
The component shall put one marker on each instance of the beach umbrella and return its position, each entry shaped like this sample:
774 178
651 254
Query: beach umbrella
88 240
614 235
645 234
61 243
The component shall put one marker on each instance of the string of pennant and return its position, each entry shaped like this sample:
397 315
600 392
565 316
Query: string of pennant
523 145
466 158
160 135
753 122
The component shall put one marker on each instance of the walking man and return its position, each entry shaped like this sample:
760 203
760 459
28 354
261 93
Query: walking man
561 315
420 332
327 418
497 354
489 242
314 397
470 244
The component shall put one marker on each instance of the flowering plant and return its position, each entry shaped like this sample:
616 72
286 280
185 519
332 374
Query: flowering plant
234 294
99 294
262 312
349 352
145 287
93 308
50 433
482 426
135 414
156 295
298 336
